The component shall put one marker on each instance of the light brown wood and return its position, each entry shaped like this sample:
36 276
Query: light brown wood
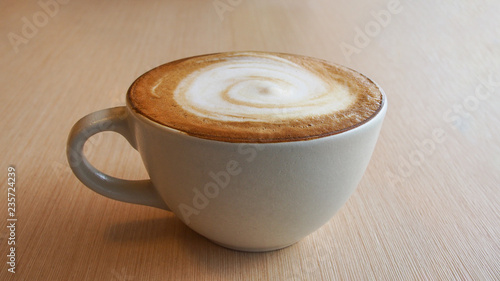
427 208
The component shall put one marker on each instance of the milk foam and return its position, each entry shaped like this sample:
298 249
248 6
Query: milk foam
259 88
255 97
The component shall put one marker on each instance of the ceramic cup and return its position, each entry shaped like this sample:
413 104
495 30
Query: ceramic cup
243 196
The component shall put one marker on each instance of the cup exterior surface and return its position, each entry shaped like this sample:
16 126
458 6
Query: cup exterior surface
254 196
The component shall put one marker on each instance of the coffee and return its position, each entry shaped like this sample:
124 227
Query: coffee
255 97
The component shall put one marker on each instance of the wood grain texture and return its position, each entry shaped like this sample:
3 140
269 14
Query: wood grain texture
427 208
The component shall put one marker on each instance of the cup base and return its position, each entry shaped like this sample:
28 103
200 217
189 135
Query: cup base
253 250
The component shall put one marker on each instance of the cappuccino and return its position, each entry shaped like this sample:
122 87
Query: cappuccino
199 124
255 97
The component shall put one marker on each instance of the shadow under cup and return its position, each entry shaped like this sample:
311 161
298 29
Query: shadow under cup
243 196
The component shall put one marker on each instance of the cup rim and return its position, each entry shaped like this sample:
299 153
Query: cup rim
146 119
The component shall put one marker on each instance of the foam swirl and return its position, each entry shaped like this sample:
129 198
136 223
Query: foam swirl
259 89
255 97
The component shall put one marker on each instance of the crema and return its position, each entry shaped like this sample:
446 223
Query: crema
255 97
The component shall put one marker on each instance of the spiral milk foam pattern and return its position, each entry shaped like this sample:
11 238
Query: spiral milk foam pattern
255 97
263 88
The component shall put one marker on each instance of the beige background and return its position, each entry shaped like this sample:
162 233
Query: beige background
427 207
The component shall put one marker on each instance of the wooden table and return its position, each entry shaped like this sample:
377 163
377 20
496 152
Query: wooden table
427 208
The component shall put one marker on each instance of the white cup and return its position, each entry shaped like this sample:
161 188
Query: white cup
244 196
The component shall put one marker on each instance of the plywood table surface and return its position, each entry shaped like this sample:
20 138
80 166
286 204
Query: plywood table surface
428 207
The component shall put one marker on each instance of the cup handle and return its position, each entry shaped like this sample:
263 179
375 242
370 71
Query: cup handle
132 191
